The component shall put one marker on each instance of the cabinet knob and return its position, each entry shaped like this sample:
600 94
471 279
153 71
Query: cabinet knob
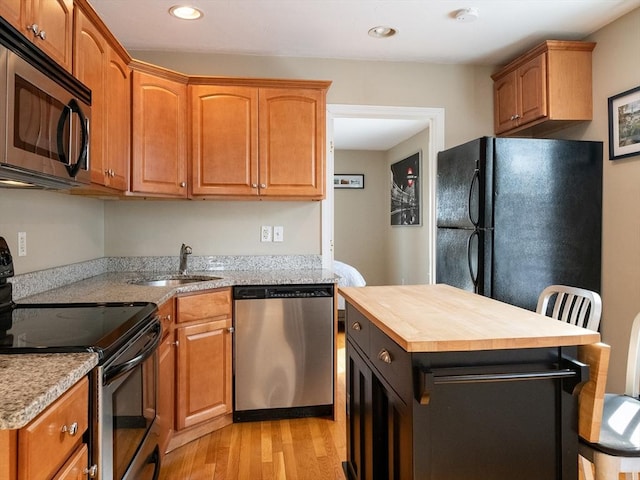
263 185
183 184
385 356
33 28
231 330
92 471
71 429
356 326
42 35
254 185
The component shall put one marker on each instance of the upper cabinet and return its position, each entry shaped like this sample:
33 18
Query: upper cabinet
159 133
47 23
98 65
545 89
258 138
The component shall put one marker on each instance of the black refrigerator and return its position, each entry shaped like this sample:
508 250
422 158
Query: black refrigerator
516 215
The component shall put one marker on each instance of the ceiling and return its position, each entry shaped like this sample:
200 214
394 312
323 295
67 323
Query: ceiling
427 32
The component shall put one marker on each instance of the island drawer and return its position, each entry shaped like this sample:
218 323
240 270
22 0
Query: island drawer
357 328
392 361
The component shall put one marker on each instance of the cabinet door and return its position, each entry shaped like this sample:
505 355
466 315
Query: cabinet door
166 374
392 431
13 12
90 60
117 122
292 142
159 136
55 22
204 372
76 466
505 102
532 90
225 140
359 388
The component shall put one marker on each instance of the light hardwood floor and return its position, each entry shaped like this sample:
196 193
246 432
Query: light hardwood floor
298 449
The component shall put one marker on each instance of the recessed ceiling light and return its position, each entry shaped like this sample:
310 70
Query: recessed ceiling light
466 15
382 32
185 13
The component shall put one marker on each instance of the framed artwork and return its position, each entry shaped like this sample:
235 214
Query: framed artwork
348 181
405 191
624 124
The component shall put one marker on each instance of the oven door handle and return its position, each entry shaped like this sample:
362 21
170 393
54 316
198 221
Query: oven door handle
116 371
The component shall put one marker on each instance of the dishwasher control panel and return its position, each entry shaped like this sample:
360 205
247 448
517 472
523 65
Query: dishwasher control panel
283 291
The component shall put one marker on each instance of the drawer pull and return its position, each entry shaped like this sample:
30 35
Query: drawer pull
385 356
71 429
356 326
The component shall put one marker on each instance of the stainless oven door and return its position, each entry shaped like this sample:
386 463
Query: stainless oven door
126 439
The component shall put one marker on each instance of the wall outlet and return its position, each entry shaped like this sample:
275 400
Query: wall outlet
266 233
22 244
278 233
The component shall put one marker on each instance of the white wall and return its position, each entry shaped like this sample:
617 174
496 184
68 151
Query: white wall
616 68
61 229
139 228
408 254
361 216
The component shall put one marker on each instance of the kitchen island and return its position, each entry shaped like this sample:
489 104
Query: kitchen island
445 384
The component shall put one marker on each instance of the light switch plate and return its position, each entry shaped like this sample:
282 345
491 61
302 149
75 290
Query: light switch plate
278 233
22 244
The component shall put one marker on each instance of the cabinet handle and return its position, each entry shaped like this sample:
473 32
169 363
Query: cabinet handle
71 429
385 356
91 471
356 326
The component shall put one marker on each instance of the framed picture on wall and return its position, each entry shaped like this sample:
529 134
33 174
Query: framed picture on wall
624 124
348 181
405 191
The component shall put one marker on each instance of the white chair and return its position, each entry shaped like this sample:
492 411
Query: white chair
616 451
577 306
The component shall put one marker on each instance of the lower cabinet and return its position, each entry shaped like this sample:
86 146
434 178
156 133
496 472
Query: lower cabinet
166 374
196 358
379 425
51 445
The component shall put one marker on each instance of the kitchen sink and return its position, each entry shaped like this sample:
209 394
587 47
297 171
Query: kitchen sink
171 280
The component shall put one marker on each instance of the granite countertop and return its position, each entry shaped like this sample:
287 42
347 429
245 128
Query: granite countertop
29 383
440 318
116 286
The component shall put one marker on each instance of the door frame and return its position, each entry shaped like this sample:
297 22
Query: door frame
434 120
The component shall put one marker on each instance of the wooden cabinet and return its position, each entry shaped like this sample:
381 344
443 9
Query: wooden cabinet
379 420
159 133
203 367
47 23
51 445
105 72
166 377
545 89
258 138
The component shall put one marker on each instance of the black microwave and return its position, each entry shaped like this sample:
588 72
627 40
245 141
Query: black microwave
44 127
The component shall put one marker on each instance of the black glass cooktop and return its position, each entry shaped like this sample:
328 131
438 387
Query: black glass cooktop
72 327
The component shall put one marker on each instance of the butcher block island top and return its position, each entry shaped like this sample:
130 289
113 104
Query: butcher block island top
441 318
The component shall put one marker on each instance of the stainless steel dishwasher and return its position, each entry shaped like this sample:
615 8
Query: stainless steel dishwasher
283 351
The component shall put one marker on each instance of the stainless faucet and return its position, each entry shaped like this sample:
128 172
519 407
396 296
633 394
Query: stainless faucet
184 251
